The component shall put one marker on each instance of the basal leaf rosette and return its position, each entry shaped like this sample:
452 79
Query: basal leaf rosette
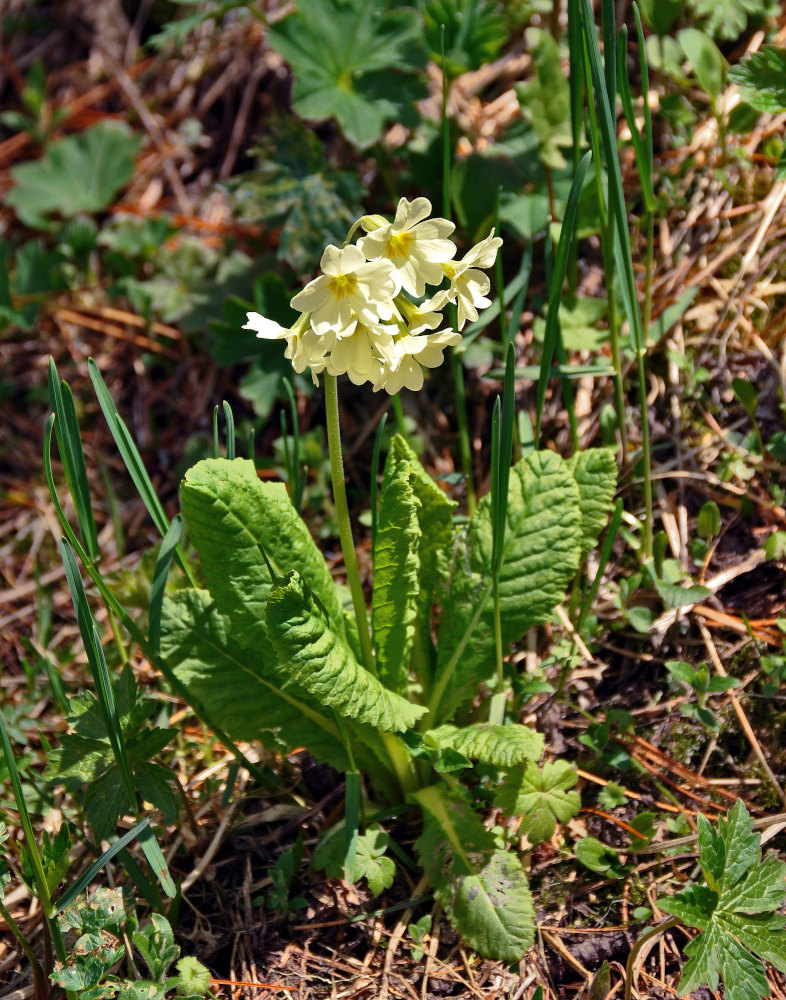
361 316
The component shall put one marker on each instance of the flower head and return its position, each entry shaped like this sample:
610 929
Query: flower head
349 290
416 245
468 286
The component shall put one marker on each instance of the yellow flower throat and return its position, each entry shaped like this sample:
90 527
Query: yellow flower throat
342 285
398 245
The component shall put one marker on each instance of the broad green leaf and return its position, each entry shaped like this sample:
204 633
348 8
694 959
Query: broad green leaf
540 797
435 517
318 660
483 890
501 746
541 553
706 58
737 916
80 173
761 77
474 33
232 518
727 19
352 61
396 566
579 324
595 472
244 694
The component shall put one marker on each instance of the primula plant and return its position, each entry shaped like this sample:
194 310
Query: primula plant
405 697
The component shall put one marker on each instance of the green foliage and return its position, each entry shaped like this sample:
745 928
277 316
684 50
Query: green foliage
483 890
542 797
295 187
498 745
317 659
54 855
541 553
708 63
417 932
369 861
396 570
475 32
761 77
699 679
352 61
545 99
595 472
86 764
736 911
81 173
281 874
728 19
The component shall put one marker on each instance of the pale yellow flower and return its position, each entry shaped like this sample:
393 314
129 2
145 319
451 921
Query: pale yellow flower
468 286
416 245
404 363
349 290
305 349
360 355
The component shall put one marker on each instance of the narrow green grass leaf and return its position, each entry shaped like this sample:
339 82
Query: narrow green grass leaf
216 445
374 477
84 880
555 291
605 555
68 531
128 450
639 143
156 860
163 562
69 442
98 668
229 418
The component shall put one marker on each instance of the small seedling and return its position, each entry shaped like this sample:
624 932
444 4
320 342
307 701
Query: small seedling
703 684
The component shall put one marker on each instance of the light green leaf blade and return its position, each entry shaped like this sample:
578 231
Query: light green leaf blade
243 692
595 472
312 654
232 517
541 553
396 566
541 797
371 862
484 891
80 173
761 77
500 746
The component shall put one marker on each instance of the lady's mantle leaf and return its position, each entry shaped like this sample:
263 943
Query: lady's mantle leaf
595 472
736 915
761 77
542 550
232 518
396 565
80 173
312 654
352 60
541 797
501 746
484 891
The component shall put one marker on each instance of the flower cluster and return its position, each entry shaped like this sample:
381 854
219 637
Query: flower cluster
360 317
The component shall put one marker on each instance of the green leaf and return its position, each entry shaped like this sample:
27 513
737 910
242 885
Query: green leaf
233 518
474 33
706 58
761 77
545 99
579 324
675 596
369 861
500 746
244 694
352 61
598 857
737 915
396 566
727 19
541 797
80 173
435 518
595 472
541 553
483 890
317 659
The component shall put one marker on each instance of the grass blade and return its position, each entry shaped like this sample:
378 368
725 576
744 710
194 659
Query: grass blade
229 418
555 291
69 443
165 553
87 877
156 860
216 449
603 558
98 668
374 477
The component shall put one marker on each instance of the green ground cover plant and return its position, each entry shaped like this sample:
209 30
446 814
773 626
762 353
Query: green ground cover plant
392 664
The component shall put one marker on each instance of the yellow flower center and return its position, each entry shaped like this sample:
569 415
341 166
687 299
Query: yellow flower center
342 285
398 245
449 270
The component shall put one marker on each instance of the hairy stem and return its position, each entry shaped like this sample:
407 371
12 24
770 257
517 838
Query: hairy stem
344 526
